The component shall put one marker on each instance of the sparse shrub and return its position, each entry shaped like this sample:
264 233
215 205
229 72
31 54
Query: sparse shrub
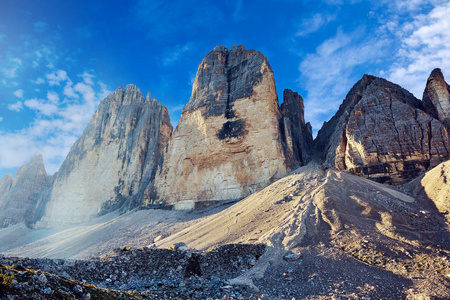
6 279
126 249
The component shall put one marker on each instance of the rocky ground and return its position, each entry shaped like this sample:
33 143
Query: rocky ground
315 234
348 270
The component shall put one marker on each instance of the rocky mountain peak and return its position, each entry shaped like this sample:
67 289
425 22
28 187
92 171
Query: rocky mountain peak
232 122
114 159
381 132
436 96
20 196
297 135
222 71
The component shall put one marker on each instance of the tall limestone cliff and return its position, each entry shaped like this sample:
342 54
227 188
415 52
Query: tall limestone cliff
381 132
114 159
296 134
20 196
436 97
228 142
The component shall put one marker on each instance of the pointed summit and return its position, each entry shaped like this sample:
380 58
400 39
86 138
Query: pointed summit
226 145
114 159
381 132
20 196
436 96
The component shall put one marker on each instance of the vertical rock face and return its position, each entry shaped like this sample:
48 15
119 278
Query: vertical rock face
296 134
436 97
227 143
20 196
114 159
381 132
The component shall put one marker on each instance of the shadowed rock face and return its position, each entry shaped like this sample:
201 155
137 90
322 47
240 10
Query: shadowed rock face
20 197
436 97
296 134
228 141
114 159
381 132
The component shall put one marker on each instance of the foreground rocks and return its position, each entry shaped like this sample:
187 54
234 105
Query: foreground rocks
135 274
381 132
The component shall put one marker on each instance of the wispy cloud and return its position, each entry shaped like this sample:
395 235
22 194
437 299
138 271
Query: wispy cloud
56 77
38 81
175 54
314 23
328 74
16 106
1 119
173 109
19 93
42 106
53 97
425 46
57 125
15 64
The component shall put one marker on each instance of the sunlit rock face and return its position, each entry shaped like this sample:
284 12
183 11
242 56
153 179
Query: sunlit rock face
436 97
381 132
228 142
114 159
20 196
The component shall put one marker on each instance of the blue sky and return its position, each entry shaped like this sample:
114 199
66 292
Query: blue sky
59 59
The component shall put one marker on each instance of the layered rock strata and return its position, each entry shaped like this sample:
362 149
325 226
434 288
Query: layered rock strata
228 142
115 158
381 132
296 134
436 97
20 196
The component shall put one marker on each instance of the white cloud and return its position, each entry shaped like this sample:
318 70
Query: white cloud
11 72
53 97
314 23
16 106
19 93
45 108
1 119
55 128
86 91
425 46
38 81
69 92
56 77
87 78
17 61
328 74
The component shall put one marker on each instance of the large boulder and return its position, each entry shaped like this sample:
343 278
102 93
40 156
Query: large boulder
381 132
115 158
